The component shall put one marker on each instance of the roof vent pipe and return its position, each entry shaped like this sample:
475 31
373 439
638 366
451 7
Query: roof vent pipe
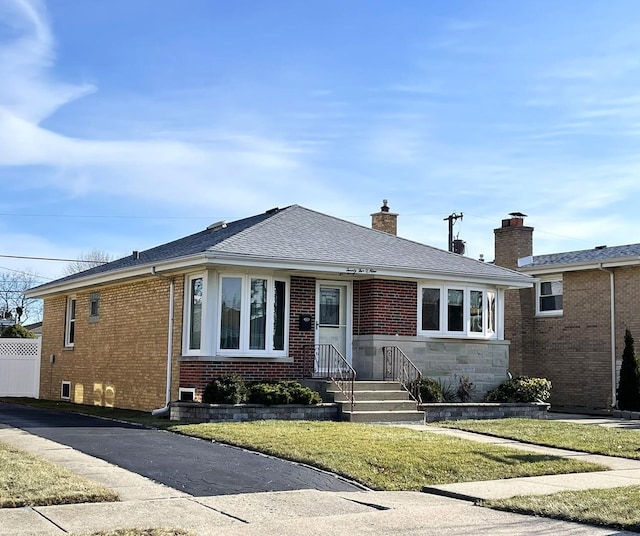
136 255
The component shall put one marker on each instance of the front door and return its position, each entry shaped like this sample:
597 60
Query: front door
333 316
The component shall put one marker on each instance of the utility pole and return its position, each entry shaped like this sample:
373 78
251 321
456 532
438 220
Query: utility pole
452 218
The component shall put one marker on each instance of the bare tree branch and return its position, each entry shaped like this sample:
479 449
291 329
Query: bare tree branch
14 305
88 260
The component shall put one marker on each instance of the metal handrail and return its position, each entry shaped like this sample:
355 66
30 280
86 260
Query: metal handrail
330 363
398 367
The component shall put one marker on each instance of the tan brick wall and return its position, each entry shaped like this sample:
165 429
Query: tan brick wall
511 244
573 350
121 359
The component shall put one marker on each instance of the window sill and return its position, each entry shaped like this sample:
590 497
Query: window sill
550 314
68 348
236 359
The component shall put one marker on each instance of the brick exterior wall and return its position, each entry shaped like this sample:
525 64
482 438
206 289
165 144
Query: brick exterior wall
572 350
197 373
120 360
513 242
383 307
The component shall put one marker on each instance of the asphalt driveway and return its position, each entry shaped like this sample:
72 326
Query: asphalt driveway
200 468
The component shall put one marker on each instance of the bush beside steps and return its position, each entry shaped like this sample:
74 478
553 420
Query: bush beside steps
233 390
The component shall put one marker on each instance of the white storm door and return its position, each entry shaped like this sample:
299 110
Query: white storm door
333 316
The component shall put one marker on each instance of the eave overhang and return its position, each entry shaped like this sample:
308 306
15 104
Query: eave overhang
212 259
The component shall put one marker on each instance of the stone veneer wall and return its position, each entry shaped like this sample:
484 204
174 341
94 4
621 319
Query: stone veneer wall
484 362
455 412
190 412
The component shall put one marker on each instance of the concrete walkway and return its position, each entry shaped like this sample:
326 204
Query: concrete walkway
145 503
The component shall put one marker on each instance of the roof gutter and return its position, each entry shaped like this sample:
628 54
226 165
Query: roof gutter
161 412
612 301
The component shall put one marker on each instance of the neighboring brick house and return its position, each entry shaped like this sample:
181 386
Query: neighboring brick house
253 296
570 327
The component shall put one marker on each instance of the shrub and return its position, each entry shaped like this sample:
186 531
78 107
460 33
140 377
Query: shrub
17 331
430 390
449 391
466 389
629 382
302 395
286 392
225 390
268 393
521 389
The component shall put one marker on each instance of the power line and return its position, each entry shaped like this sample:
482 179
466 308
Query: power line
49 259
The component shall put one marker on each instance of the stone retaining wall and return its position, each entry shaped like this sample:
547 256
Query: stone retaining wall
487 410
193 412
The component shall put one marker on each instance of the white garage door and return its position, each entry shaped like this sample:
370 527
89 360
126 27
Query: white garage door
20 367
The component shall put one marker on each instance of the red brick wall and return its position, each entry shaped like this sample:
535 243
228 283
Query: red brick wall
383 307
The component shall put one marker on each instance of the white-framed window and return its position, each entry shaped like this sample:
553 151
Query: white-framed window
195 294
70 323
549 291
457 311
252 315
235 315
65 390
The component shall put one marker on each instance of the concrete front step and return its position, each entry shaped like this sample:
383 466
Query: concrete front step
382 405
383 416
372 395
373 385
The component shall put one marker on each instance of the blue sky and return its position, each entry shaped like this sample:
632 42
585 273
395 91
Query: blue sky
128 123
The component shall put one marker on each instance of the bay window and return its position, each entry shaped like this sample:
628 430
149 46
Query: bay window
457 311
234 315
252 314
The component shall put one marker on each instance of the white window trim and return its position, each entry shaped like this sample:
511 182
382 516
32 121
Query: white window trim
186 328
466 333
183 390
62 386
547 279
68 321
244 350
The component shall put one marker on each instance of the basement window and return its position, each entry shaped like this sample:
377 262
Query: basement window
187 394
65 390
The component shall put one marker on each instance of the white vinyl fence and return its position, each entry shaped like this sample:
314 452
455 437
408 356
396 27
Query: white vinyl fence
20 367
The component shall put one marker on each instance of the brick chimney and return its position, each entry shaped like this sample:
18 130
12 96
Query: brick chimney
384 220
513 240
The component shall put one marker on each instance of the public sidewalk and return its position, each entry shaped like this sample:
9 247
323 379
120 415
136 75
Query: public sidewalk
146 504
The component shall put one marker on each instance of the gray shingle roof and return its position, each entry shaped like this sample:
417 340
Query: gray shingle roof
299 235
604 254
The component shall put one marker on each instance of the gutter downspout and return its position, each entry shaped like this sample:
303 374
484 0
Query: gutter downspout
612 301
160 412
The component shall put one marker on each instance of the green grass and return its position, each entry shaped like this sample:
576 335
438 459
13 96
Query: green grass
614 507
580 437
27 480
384 457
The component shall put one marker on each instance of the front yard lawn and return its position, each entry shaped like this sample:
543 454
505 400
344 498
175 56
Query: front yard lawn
614 507
384 457
27 480
580 437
